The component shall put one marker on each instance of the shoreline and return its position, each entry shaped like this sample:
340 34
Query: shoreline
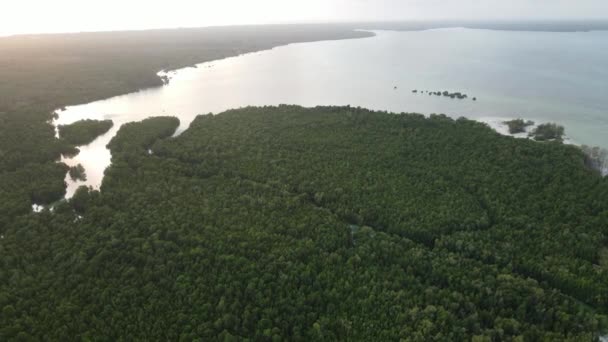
494 123
166 72
498 125
164 75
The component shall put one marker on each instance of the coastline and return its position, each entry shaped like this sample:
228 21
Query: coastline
494 123
499 125
355 34
165 76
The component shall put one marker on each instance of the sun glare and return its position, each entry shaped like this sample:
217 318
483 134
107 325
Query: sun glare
75 16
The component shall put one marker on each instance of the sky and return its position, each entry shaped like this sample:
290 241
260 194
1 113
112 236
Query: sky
46 16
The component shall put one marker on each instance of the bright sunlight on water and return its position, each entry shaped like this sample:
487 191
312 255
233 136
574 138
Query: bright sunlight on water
545 77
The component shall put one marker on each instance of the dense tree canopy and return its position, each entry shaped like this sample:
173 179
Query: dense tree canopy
138 136
77 172
548 131
286 223
518 125
84 131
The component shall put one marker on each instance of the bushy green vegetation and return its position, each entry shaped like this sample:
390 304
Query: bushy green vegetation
548 131
138 136
28 172
78 173
84 132
518 125
285 223
35 183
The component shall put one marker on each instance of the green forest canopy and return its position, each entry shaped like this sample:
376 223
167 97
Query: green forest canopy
192 244
139 136
280 223
548 131
77 173
83 132
518 125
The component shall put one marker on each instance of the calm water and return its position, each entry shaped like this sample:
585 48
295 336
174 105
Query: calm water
558 77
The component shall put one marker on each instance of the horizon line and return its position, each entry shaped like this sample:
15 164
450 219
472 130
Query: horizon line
581 21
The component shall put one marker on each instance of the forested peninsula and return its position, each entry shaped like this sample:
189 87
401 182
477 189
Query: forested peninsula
330 223
283 223
84 131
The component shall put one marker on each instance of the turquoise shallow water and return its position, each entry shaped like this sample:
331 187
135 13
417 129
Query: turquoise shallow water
543 76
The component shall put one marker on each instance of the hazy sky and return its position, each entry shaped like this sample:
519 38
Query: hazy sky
29 16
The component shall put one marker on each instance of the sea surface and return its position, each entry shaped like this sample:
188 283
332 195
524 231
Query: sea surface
541 76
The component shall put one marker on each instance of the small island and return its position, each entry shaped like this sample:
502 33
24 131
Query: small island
84 132
68 150
455 95
77 173
139 136
518 125
547 132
